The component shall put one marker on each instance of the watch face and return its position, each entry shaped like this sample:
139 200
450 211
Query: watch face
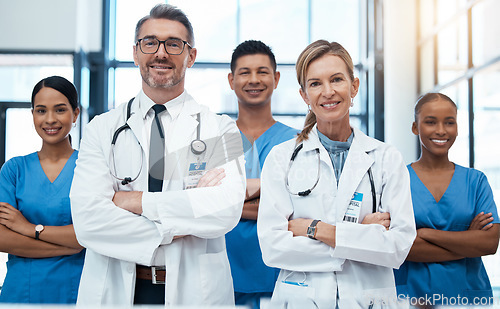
310 231
39 228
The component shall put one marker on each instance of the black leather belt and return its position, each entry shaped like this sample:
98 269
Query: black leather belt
156 274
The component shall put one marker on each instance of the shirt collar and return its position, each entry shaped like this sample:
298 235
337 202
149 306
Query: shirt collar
335 146
173 106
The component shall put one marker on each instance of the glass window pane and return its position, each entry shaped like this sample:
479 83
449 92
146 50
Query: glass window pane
281 24
291 121
20 135
286 97
128 83
214 25
487 126
20 72
347 22
210 87
427 81
486 146
426 18
452 51
459 153
485 31
128 13
446 9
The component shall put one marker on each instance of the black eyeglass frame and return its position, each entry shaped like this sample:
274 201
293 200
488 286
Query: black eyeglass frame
164 42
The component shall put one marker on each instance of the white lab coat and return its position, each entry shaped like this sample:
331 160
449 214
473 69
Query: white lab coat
359 268
116 240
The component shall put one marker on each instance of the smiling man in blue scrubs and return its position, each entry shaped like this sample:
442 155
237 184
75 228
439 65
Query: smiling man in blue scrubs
253 78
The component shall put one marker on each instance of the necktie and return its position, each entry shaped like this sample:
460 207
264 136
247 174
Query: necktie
156 152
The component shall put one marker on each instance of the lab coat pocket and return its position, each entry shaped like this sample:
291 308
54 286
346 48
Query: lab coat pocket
382 298
291 294
215 279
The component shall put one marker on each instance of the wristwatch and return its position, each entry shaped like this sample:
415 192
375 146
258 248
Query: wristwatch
311 229
38 229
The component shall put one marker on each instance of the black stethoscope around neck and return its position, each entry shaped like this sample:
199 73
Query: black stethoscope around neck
198 147
308 191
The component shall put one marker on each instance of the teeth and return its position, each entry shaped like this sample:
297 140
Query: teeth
330 105
51 131
439 141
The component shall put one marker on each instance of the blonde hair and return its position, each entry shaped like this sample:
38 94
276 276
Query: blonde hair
312 52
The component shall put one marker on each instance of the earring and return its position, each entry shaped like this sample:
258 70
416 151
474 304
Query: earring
352 102
74 124
309 107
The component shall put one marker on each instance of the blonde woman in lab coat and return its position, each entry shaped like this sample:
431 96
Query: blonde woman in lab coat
318 220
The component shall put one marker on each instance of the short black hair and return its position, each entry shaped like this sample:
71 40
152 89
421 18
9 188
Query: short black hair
252 47
60 84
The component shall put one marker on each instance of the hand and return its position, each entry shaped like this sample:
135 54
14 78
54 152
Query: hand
15 221
129 200
481 222
299 226
211 178
382 218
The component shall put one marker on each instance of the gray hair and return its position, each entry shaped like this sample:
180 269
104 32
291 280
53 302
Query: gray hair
170 12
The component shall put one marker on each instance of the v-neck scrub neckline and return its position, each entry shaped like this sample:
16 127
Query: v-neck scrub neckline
62 173
453 178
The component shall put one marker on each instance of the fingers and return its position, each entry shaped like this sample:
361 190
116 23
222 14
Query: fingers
386 223
384 215
482 216
487 227
481 221
212 178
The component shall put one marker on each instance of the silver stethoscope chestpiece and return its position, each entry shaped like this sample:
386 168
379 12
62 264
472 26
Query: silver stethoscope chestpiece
198 147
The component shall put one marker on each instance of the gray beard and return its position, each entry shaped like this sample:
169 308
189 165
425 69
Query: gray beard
167 84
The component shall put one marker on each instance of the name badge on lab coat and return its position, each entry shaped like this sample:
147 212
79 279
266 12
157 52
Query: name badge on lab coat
354 208
196 170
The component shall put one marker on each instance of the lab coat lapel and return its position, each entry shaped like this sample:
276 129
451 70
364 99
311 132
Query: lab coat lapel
179 143
355 168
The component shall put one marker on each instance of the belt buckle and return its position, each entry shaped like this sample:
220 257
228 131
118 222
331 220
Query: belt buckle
153 274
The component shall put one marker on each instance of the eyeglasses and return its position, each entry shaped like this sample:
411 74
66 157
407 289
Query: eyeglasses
172 46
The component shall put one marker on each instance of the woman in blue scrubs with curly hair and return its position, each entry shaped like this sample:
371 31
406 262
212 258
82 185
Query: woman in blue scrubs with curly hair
455 214
45 260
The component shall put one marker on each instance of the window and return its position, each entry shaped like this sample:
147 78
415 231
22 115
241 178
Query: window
19 74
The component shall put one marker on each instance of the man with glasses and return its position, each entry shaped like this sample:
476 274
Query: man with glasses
156 236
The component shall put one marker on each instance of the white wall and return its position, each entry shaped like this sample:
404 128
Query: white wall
62 25
400 45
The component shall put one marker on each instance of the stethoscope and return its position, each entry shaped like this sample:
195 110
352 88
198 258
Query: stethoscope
198 147
308 191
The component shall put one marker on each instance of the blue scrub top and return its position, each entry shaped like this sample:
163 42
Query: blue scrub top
250 274
24 185
467 195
